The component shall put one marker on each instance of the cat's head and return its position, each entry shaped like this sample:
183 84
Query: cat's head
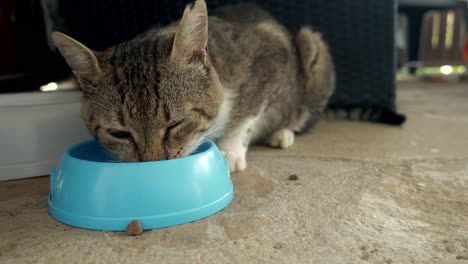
154 97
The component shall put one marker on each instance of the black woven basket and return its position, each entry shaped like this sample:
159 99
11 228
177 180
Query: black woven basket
360 34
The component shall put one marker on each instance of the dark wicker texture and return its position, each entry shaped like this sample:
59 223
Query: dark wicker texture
359 32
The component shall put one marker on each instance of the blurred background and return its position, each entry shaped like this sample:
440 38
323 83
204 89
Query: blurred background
430 38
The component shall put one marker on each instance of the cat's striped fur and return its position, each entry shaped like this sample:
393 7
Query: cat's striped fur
237 77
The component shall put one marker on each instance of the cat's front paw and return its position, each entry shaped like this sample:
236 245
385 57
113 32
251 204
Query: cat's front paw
282 138
236 160
235 155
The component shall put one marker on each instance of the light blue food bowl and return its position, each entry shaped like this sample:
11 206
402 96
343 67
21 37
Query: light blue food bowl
89 189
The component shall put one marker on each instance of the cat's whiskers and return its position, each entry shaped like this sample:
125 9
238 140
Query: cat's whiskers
192 147
101 105
215 129
196 144
113 107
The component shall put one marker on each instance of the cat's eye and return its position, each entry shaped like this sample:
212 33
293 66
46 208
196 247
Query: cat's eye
120 134
173 125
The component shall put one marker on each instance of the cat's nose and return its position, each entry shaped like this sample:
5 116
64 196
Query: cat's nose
155 150
154 155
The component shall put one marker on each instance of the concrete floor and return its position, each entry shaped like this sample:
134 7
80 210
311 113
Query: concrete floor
366 193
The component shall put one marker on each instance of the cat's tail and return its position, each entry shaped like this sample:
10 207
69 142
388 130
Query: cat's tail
319 84
370 114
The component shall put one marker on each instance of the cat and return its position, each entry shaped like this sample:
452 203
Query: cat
237 77
374 114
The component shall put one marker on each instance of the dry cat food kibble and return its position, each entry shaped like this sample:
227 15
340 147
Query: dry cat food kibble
293 177
134 228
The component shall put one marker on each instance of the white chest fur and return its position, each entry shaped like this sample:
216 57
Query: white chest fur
219 126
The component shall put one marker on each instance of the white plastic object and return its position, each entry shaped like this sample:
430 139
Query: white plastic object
35 129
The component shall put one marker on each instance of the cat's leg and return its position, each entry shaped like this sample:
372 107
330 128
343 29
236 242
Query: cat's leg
317 79
317 82
317 70
282 138
235 143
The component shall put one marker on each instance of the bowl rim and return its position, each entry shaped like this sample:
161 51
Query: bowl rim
67 155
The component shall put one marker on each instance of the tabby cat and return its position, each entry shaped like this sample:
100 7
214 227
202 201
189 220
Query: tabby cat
236 77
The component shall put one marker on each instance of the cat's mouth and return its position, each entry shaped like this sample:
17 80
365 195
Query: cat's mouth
190 149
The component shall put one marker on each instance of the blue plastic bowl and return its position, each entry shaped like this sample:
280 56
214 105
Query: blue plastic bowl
89 189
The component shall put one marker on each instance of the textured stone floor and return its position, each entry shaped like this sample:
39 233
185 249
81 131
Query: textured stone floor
365 193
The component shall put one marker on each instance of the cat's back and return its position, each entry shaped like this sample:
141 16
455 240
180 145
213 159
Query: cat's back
250 17
242 13
244 35
243 26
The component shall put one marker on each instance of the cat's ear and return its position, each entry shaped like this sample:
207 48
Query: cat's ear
81 59
191 37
